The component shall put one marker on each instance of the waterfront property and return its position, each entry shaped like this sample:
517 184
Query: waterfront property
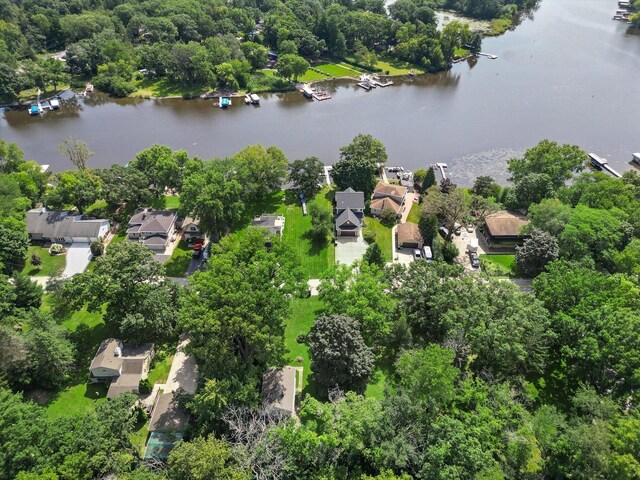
349 213
153 228
388 197
64 227
272 225
503 230
121 366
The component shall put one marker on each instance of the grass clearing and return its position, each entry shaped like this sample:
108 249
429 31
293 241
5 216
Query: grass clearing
303 314
51 264
180 259
499 265
49 91
499 26
414 213
162 87
337 71
166 202
312 76
383 236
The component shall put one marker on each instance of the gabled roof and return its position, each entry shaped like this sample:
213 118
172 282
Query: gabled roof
152 221
389 189
348 218
386 203
52 224
155 240
273 223
350 199
106 355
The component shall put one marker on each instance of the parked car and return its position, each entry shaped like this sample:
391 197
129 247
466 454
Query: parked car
470 228
197 250
417 255
444 232
427 254
475 261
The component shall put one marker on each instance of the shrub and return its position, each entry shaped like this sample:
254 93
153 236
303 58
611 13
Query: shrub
36 261
369 236
388 218
56 248
145 386
450 251
97 248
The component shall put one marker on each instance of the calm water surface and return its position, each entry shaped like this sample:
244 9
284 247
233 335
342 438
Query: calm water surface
567 72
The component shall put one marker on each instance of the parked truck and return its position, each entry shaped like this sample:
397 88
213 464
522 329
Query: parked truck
473 245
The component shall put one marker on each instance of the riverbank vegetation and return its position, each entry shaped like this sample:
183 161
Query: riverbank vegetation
194 46
418 371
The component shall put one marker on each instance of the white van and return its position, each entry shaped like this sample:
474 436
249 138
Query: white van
426 253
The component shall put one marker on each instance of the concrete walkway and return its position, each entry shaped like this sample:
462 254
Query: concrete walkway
78 258
184 371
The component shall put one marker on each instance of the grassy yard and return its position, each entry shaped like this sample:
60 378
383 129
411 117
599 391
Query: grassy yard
499 26
51 264
303 314
312 76
499 265
375 387
167 202
414 213
383 236
49 91
162 87
177 265
336 70
316 258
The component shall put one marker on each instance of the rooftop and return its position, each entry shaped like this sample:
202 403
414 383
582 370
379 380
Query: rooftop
408 232
167 416
386 203
505 224
347 218
389 189
62 224
350 199
279 388
273 223
152 221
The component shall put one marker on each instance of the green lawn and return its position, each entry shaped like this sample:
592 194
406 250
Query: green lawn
312 76
51 264
383 236
414 213
337 70
79 398
139 436
162 361
162 87
499 26
303 314
316 258
177 265
461 52
377 382
166 202
499 264
49 91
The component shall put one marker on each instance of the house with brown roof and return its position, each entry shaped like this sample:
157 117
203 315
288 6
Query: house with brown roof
387 196
121 366
152 228
349 212
279 389
504 228
408 236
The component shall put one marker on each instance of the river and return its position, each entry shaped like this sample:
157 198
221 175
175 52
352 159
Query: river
567 72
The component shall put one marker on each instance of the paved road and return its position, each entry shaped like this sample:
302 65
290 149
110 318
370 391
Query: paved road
78 258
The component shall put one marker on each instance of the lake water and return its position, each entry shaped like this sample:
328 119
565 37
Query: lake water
567 72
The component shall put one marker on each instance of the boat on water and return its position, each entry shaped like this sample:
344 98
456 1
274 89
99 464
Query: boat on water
54 103
224 102
636 158
88 88
35 109
307 91
255 99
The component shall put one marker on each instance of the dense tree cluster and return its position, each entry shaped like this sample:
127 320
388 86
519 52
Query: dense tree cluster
203 43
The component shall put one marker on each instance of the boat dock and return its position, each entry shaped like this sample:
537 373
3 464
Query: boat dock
600 163
368 82
321 95
488 55
441 168
327 174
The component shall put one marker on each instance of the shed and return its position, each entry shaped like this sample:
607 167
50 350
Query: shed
279 389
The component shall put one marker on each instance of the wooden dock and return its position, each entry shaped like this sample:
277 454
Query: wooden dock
441 168
600 163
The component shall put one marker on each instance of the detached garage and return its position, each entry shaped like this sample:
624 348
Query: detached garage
408 236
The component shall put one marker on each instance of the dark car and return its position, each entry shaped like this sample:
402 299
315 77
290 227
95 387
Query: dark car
197 250
475 261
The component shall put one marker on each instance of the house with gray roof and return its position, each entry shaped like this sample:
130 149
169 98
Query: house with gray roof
349 213
152 228
120 365
274 224
64 227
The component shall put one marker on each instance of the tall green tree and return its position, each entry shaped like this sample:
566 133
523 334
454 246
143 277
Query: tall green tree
357 165
306 175
261 171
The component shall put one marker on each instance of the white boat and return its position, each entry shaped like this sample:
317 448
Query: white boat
255 99
55 104
636 158
36 109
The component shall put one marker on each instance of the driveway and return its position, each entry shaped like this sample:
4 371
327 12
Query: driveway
184 371
78 258
412 198
403 256
350 249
